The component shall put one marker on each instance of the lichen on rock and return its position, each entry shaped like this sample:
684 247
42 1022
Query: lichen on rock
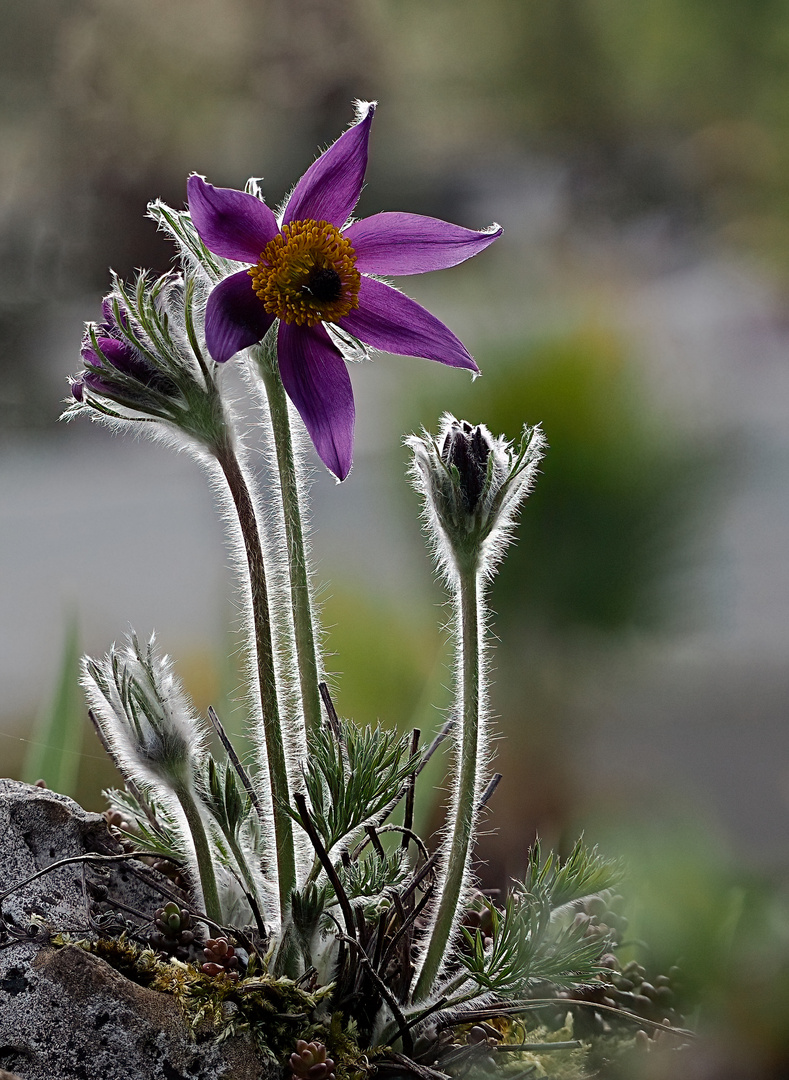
66 1013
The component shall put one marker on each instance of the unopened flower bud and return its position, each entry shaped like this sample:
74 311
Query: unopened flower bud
473 485
143 713
141 362
466 448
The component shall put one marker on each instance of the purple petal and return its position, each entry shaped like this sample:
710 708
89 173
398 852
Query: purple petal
93 382
89 354
234 317
124 358
121 355
231 223
330 188
412 244
317 382
388 320
110 323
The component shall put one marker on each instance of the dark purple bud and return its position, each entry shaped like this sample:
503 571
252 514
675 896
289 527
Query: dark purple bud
122 356
110 323
468 450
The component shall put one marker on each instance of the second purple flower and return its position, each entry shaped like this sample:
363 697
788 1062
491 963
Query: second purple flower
311 268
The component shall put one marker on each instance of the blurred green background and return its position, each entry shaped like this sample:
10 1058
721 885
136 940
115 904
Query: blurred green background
636 155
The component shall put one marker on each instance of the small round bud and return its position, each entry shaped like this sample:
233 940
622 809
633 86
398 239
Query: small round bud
473 485
311 1062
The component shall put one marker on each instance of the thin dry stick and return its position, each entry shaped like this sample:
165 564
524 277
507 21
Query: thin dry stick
331 712
408 921
383 918
408 815
402 1064
64 862
387 810
422 873
388 996
326 863
516 1008
493 783
377 845
243 775
409 835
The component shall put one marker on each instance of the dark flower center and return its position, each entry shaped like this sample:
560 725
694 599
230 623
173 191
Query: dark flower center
324 285
307 274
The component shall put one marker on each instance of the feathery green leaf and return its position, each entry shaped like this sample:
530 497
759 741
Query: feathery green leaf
351 779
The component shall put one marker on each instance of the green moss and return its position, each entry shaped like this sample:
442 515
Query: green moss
274 1012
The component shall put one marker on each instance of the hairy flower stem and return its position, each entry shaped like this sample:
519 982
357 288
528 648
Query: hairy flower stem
267 680
300 593
242 862
205 863
458 849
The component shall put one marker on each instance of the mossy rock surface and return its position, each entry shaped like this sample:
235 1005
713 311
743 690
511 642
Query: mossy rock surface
65 1013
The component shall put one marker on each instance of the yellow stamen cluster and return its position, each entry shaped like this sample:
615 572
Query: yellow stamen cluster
307 274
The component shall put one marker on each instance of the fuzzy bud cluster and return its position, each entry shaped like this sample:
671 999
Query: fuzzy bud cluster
473 485
143 713
143 361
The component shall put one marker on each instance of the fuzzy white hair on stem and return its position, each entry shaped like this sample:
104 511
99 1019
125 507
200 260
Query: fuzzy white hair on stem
472 486
161 332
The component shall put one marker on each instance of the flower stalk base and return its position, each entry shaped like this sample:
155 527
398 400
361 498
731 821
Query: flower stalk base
267 679
203 855
458 850
300 592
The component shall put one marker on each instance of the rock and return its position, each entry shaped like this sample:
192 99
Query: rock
38 828
66 1014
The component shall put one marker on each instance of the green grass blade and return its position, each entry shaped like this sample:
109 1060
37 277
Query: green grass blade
54 753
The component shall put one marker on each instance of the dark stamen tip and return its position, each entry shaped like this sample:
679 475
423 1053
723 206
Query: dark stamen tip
324 285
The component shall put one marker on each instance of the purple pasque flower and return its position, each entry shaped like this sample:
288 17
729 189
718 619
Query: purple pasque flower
311 269
114 367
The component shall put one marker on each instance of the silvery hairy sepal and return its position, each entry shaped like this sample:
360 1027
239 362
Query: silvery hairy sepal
144 361
144 714
152 733
473 485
